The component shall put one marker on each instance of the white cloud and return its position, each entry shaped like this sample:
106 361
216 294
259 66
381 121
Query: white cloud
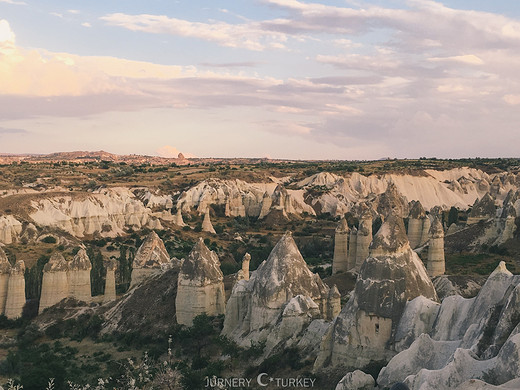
248 36
86 24
13 2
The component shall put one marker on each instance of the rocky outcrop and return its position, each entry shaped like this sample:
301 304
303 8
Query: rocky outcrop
107 212
15 291
10 229
151 257
356 380
279 302
352 253
5 270
391 201
200 285
340 259
79 277
55 282
418 226
333 303
483 209
243 273
177 219
436 263
207 225
110 281
477 338
391 276
363 239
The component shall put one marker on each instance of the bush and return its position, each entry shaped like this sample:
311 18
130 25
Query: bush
49 240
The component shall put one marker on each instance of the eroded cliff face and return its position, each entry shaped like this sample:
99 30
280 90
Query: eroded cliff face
283 303
366 327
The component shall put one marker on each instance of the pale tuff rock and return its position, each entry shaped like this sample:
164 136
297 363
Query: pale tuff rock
177 219
476 384
15 291
365 329
320 179
415 225
436 263
242 197
483 209
107 212
364 237
200 285
206 224
505 224
79 276
55 282
446 287
150 258
243 273
423 353
5 270
340 260
476 338
10 229
418 317
333 303
266 205
110 281
279 301
391 201
356 380
352 252
426 230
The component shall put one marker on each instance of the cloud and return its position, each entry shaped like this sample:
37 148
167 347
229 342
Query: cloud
86 24
247 36
4 130
13 2
245 64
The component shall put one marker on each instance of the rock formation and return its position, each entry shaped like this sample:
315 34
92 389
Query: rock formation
436 263
340 260
79 277
391 201
333 303
10 229
243 273
177 220
55 282
110 281
266 205
356 380
364 237
206 224
482 209
5 270
352 252
151 257
200 285
106 212
365 329
279 302
471 339
15 291
415 225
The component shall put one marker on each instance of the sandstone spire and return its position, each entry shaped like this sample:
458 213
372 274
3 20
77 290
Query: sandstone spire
79 276
15 291
340 260
333 303
415 224
5 269
436 264
266 205
150 258
243 274
392 275
351 256
55 283
110 281
200 285
206 224
177 219
364 237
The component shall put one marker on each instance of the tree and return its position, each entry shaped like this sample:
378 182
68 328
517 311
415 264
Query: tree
453 216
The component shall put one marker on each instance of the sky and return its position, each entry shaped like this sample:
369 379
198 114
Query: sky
329 79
